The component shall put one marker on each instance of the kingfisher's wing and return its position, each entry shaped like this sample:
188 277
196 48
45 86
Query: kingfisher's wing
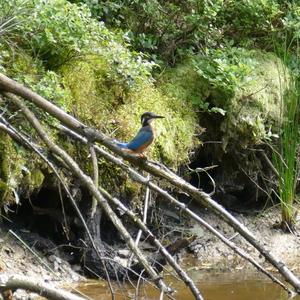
143 137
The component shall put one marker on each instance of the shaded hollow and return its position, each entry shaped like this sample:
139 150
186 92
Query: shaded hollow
243 181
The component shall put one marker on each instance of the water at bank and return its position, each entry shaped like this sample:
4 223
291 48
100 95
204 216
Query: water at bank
236 285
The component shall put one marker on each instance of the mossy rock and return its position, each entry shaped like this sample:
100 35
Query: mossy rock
253 114
10 168
184 83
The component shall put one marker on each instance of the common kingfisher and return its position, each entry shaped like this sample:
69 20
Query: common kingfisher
144 137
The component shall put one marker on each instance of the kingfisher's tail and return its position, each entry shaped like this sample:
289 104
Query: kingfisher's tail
121 145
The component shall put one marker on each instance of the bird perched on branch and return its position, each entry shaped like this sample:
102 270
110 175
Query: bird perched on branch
144 137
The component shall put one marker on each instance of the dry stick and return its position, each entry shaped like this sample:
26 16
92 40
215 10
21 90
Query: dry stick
41 288
24 141
93 211
96 177
142 180
155 169
169 258
181 273
145 212
73 166
226 241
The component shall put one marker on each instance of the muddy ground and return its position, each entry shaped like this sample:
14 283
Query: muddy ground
212 254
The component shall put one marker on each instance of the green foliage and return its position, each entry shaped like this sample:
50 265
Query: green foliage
57 31
253 114
195 90
250 23
226 70
10 168
162 28
168 30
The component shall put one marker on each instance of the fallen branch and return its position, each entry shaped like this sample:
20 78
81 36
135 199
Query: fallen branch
17 136
143 227
181 273
145 213
87 181
95 176
13 282
150 184
9 85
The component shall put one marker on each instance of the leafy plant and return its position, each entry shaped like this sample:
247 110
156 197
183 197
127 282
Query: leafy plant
57 31
225 69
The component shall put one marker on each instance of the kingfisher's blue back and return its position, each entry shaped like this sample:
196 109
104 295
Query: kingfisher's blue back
141 141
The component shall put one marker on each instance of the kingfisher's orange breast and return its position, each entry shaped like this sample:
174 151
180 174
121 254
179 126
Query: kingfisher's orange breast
143 147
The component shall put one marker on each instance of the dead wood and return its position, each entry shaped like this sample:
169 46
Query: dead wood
13 282
95 177
87 181
9 85
117 272
165 253
183 207
96 249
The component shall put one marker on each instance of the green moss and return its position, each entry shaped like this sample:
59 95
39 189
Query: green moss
10 167
36 179
102 102
21 66
184 83
253 114
17 169
93 93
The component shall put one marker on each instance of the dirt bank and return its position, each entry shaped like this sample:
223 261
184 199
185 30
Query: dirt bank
41 261
17 257
213 254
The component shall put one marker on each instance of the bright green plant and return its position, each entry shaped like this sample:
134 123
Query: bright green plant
226 70
286 161
168 30
57 31
287 157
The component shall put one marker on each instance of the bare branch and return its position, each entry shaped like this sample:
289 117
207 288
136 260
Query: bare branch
139 178
96 177
157 170
8 282
87 181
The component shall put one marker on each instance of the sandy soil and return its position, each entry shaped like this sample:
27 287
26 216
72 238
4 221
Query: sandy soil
213 254
16 258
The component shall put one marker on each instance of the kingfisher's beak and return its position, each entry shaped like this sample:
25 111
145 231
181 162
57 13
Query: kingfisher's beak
158 117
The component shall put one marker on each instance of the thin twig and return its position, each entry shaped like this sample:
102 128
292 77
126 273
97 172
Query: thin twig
145 212
139 178
96 177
